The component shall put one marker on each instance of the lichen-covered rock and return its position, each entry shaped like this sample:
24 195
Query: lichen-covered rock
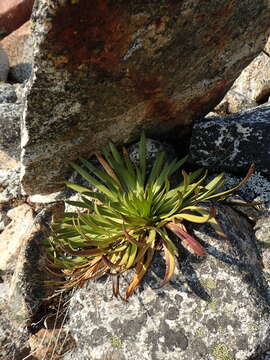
10 115
262 233
233 142
19 48
7 93
9 184
4 65
13 13
251 88
27 285
256 189
213 309
11 239
106 69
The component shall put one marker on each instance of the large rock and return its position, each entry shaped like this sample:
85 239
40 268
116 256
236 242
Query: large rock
213 309
7 93
11 239
10 135
22 279
233 142
13 13
103 70
9 184
4 64
251 88
19 48
27 290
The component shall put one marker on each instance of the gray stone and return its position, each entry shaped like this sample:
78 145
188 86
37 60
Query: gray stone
20 92
26 290
19 47
251 88
213 308
105 70
4 220
7 93
13 339
10 135
262 233
257 188
9 184
233 143
4 65
21 72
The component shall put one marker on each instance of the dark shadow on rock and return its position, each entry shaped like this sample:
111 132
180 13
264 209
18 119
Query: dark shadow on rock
20 72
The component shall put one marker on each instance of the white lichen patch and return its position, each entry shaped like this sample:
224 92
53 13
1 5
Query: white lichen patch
245 131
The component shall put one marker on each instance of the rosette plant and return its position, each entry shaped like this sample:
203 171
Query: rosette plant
132 214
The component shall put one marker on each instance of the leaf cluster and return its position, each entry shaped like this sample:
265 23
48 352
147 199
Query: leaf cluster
132 215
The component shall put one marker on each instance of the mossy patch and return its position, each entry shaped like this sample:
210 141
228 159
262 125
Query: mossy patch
209 284
115 342
221 352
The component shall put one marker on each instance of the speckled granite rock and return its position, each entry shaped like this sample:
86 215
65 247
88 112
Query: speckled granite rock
233 142
262 233
19 48
4 65
213 309
12 238
13 339
10 115
251 88
154 65
7 93
26 289
9 184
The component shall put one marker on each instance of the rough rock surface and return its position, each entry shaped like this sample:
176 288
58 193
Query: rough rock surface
251 88
13 13
21 298
19 48
11 239
9 184
213 309
262 233
7 93
10 115
4 65
233 142
26 289
101 66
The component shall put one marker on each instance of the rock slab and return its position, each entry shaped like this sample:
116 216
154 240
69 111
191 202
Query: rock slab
212 309
251 88
233 142
4 64
10 149
106 69
19 48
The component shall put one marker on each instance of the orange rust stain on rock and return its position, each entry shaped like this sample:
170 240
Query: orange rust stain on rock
203 101
145 87
163 109
149 87
91 32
